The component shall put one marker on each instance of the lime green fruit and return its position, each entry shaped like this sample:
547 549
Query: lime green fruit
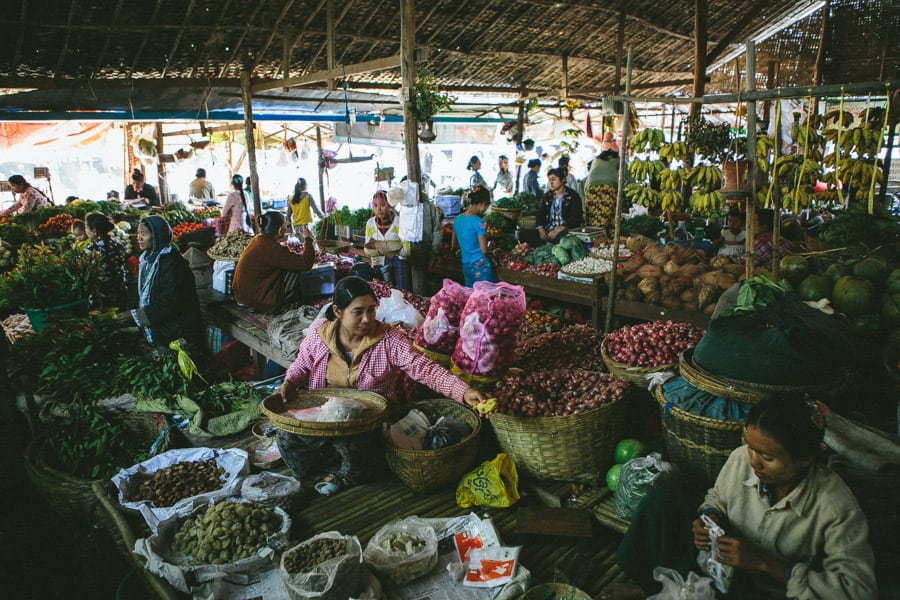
612 477
853 296
629 448
794 268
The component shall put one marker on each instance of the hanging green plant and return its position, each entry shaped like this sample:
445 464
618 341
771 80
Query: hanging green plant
429 100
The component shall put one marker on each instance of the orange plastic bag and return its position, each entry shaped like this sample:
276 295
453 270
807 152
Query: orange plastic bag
494 483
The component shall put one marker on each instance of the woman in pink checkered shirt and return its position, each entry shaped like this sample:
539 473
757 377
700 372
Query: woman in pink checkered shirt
352 349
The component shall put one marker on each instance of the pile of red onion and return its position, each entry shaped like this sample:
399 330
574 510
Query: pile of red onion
575 347
440 330
487 328
557 393
652 344
544 270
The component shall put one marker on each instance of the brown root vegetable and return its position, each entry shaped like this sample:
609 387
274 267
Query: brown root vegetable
633 264
734 269
706 296
648 285
650 271
671 267
664 280
636 243
632 278
690 271
709 309
718 262
671 301
677 285
633 294
689 296
718 279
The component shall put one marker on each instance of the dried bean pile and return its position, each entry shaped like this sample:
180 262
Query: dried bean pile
182 480
305 558
652 344
226 533
556 393
575 347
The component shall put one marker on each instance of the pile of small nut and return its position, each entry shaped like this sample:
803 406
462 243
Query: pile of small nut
306 557
226 533
402 543
181 480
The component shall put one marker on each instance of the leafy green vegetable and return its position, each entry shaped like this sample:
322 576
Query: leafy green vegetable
855 226
227 397
758 292
645 225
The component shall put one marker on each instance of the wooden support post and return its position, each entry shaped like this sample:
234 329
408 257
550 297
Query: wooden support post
565 78
321 168
701 12
620 196
620 48
419 257
161 166
750 203
250 140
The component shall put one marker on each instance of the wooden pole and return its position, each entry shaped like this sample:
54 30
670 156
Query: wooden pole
620 196
329 42
250 140
701 11
750 203
321 169
893 120
408 79
161 166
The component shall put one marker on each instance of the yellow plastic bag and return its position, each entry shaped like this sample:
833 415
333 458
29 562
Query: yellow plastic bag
493 483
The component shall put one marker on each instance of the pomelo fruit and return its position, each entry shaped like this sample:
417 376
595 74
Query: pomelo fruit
838 270
872 269
815 287
853 296
794 268
629 448
867 326
612 477
890 309
892 285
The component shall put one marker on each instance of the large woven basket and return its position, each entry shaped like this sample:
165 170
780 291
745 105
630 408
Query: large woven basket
527 221
512 214
333 246
698 445
388 248
275 408
431 469
66 494
748 391
635 375
563 447
441 359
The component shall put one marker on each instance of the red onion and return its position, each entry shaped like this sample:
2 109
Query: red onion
487 328
557 393
652 344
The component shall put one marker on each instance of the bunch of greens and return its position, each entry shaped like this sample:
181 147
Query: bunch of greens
158 377
43 279
31 219
708 139
855 226
227 397
16 235
757 293
645 225
80 208
89 444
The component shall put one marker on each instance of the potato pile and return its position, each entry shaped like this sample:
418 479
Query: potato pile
306 557
226 533
182 480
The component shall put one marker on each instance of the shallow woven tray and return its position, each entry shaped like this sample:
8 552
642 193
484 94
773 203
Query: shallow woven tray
388 248
698 445
66 494
274 407
563 447
747 391
221 257
527 221
635 375
430 469
333 246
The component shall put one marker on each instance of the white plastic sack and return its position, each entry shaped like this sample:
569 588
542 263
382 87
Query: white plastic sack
235 462
675 587
338 409
220 267
636 478
270 489
401 567
395 309
163 560
411 223
335 579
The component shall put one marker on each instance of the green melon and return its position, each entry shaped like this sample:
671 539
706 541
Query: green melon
890 309
838 270
892 285
815 287
867 325
872 269
853 296
794 268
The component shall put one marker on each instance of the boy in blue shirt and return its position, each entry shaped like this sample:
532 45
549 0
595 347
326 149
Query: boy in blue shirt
470 234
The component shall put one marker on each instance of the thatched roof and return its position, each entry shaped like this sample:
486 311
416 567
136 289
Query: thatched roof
474 45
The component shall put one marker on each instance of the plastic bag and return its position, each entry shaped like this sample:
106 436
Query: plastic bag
488 326
675 587
409 432
220 267
491 567
493 483
335 579
340 409
395 309
635 479
270 489
440 330
394 554
709 564
445 432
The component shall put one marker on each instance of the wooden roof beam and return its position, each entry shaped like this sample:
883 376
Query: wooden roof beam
143 44
329 39
73 8
184 24
593 6
380 64
737 30
272 34
213 36
237 47
447 18
307 22
360 29
474 19
21 39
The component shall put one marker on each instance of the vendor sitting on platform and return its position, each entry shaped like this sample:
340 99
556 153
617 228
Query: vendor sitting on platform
352 349
791 526
267 276
763 244
558 211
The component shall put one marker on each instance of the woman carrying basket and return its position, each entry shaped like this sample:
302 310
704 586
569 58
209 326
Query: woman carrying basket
352 349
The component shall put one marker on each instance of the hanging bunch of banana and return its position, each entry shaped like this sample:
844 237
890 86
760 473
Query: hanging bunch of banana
765 148
670 183
706 197
647 139
797 177
645 170
675 151
641 194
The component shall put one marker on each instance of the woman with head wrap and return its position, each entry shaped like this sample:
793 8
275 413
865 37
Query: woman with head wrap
168 308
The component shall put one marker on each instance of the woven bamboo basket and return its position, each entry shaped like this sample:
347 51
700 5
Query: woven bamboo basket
527 221
66 494
333 246
698 445
635 375
424 470
388 248
748 391
512 214
441 359
479 382
563 447
276 409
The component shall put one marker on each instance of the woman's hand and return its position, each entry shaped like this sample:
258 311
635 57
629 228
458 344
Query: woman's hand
287 389
701 532
741 554
543 233
473 397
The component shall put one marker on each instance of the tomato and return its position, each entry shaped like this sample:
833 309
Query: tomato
612 477
629 448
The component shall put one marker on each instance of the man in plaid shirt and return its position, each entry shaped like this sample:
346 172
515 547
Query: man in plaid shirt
763 244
